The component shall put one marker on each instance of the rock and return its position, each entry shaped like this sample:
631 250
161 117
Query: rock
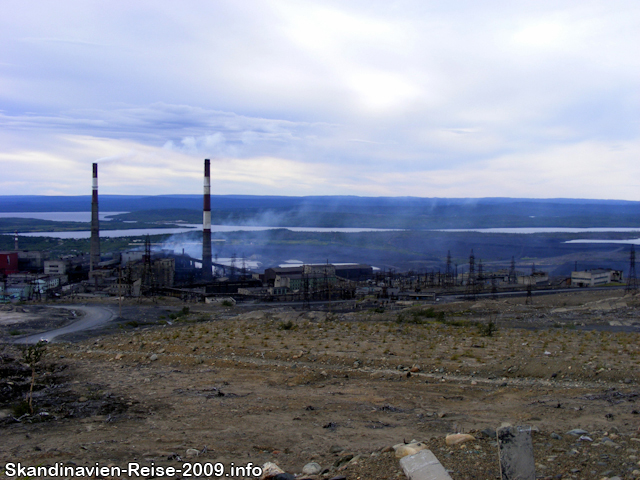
415 369
489 433
458 438
284 476
335 449
608 442
577 432
555 436
153 357
404 449
270 470
191 452
343 460
312 468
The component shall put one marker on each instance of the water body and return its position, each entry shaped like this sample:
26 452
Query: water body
86 217
134 232
526 230
59 216
630 241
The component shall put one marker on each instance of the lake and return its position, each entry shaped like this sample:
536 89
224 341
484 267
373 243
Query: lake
59 216
86 217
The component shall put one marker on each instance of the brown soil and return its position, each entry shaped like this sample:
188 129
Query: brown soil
294 387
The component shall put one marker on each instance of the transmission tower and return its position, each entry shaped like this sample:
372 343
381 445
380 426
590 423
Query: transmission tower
632 280
243 272
305 289
471 280
513 279
232 267
448 272
325 280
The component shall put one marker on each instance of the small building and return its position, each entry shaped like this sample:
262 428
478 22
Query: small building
595 277
536 278
8 263
55 267
270 274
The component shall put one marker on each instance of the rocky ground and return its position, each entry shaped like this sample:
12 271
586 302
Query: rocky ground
339 389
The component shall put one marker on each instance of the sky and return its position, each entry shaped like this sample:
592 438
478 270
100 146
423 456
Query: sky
531 99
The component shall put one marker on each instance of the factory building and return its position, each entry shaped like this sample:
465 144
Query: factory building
354 271
25 286
595 277
31 261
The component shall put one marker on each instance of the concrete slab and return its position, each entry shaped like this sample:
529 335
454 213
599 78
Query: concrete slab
423 466
516 453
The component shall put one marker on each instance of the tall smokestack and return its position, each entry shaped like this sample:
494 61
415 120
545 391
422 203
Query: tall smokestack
94 257
206 224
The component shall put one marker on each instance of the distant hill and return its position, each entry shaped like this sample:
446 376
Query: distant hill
349 211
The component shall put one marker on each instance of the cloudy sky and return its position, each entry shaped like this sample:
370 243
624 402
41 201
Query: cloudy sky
293 97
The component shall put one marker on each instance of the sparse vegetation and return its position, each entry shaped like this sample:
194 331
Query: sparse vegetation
488 329
32 355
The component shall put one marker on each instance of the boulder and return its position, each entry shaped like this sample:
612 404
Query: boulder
458 438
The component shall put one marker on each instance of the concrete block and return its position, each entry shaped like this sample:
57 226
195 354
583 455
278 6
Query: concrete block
423 466
516 453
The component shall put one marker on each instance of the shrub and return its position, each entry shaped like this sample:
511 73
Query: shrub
420 317
487 329
288 325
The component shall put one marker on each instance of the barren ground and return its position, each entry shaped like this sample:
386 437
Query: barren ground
293 387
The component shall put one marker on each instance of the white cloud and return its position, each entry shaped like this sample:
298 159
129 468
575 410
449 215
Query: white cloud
363 97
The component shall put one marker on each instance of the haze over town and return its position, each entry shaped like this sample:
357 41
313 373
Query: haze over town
430 99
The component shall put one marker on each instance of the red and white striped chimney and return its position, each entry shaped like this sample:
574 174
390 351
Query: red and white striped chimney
94 256
206 224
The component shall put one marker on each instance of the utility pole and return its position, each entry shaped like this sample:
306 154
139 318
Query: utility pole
632 280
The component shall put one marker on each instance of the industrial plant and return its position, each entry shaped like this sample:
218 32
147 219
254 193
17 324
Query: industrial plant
153 270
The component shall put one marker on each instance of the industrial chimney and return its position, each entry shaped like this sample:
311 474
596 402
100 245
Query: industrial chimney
206 225
94 257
